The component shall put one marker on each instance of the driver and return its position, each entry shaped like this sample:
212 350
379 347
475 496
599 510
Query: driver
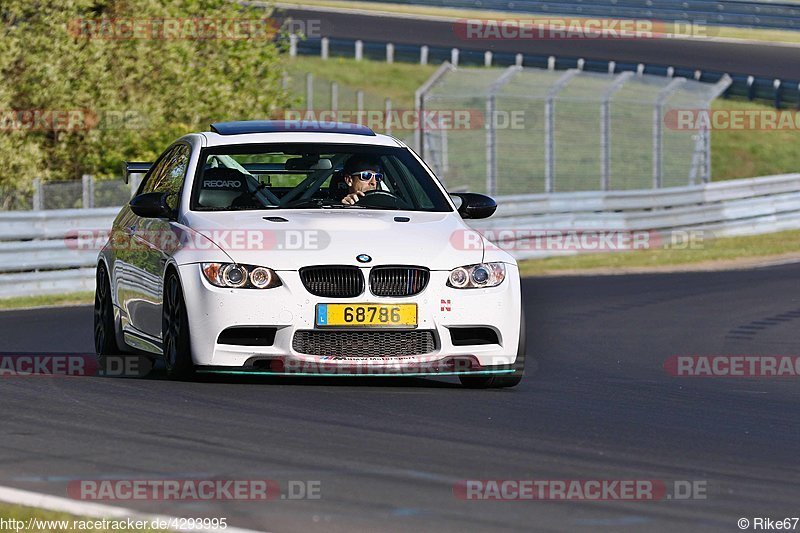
361 174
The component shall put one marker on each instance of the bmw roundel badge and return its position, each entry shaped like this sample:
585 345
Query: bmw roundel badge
363 258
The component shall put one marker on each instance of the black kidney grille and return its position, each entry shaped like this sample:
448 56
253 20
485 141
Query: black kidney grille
364 343
398 281
333 281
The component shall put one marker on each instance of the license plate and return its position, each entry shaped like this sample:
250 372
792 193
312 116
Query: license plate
374 315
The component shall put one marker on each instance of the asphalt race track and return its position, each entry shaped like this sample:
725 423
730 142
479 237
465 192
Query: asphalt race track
736 58
388 453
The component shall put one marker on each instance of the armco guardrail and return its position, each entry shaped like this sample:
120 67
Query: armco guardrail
763 14
37 255
781 93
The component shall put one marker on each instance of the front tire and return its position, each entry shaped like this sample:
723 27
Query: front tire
504 380
105 334
175 331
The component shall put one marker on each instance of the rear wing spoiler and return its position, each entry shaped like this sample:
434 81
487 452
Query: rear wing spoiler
135 167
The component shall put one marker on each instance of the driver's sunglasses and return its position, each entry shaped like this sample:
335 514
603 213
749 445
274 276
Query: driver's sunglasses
366 175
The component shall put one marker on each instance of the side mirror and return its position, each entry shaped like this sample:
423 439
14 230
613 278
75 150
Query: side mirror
151 205
474 205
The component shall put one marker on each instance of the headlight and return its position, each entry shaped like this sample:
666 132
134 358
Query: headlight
477 276
232 276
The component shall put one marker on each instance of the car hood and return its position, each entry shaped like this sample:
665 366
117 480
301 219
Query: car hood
292 239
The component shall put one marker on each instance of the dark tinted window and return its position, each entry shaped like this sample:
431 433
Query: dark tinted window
307 176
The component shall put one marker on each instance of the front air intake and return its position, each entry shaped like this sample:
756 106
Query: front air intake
333 281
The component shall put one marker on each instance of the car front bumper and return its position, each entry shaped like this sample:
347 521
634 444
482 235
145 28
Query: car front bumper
291 308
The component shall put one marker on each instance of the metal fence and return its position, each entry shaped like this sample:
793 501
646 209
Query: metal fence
85 193
527 130
781 93
757 14
56 251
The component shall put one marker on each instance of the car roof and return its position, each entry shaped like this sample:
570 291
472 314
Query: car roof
280 131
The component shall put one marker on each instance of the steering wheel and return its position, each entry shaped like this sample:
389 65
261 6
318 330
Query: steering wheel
380 198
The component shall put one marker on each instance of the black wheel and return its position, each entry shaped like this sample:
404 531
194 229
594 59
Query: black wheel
175 331
503 380
105 335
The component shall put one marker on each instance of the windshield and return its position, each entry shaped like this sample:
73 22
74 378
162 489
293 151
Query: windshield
313 176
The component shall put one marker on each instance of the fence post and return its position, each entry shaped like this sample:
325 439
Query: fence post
87 183
419 104
359 50
389 53
550 127
491 127
423 54
454 57
135 181
551 63
518 60
658 130
324 44
777 85
309 92
605 129
612 66
292 45
38 195
388 117
719 88
487 59
360 107
334 96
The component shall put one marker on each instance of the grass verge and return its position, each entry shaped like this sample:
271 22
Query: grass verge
42 521
712 31
23 302
722 252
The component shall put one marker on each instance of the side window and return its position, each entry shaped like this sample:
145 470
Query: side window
168 174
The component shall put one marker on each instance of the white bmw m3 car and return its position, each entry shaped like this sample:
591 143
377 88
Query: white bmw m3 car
293 248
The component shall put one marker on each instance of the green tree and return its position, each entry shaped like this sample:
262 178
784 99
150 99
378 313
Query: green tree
136 94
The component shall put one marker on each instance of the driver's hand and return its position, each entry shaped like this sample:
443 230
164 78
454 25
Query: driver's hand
352 198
